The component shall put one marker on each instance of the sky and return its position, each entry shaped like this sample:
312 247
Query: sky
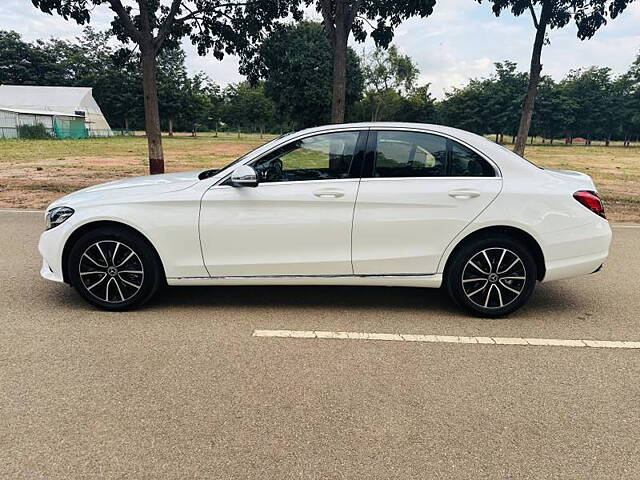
459 41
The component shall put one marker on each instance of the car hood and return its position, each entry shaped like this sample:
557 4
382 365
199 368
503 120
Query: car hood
130 188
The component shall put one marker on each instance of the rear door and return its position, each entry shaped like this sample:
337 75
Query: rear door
418 191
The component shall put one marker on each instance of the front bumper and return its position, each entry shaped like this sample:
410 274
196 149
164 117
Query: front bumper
51 246
47 273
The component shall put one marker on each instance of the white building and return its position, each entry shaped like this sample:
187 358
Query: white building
57 124
53 106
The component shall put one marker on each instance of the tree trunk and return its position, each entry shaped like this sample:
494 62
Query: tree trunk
497 137
339 76
171 125
151 111
376 114
126 125
501 138
534 80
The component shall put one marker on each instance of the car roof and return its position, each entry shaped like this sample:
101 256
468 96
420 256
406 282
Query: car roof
454 132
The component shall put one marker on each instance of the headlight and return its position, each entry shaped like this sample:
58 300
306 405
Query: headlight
58 215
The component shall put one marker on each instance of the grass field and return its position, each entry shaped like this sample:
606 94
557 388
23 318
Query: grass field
35 172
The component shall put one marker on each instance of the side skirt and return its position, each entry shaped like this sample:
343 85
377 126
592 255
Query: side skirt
424 281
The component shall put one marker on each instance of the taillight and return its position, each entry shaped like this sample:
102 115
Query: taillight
591 200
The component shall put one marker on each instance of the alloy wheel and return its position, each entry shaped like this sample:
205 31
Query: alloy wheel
111 271
494 277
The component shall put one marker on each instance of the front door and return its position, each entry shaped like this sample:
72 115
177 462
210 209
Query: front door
422 190
297 221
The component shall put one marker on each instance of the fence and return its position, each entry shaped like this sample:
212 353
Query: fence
61 133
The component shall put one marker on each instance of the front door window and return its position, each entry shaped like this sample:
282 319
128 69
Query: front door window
322 157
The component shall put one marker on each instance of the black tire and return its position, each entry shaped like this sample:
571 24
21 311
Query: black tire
483 280
106 274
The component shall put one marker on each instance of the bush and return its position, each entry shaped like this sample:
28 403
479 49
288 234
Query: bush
33 132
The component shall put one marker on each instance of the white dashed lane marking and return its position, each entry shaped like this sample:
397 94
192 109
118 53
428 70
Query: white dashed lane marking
406 337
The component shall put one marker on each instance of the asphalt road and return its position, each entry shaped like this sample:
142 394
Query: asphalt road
182 390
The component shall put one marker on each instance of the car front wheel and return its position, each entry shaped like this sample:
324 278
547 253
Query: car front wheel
114 269
492 276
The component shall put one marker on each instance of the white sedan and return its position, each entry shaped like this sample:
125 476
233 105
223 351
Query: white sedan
379 204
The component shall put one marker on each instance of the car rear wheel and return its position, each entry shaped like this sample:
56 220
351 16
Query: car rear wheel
492 276
114 269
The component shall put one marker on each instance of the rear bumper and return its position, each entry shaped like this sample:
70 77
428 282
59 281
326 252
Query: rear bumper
576 252
574 267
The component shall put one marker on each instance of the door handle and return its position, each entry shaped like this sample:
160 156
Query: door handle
464 194
327 193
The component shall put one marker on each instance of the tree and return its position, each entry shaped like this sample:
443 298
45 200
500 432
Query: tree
505 90
466 107
295 63
419 106
388 75
630 112
590 92
172 84
223 26
588 15
197 106
554 109
247 107
23 63
343 17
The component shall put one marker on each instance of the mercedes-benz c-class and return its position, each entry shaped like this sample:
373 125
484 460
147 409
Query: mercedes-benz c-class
378 204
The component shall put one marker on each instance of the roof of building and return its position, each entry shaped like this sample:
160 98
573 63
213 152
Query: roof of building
61 99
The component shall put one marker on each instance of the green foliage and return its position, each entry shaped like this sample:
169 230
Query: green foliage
377 18
391 93
248 108
388 76
295 63
464 107
588 103
33 132
588 15
220 26
389 70
555 109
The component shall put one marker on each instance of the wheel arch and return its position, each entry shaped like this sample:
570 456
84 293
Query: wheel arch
87 227
512 232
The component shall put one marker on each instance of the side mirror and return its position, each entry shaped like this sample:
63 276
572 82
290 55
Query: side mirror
244 176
